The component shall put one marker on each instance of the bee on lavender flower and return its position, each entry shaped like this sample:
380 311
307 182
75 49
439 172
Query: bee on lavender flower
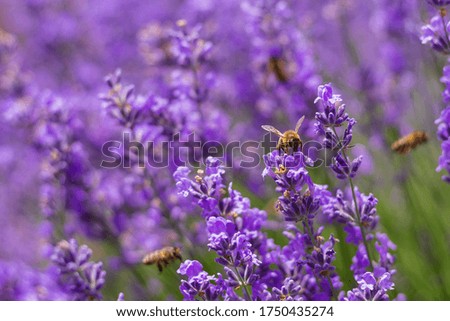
162 257
290 139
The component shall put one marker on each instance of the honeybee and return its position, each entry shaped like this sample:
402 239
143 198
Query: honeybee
290 139
407 143
278 67
162 257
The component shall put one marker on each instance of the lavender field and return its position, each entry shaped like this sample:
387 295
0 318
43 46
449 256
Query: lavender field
225 150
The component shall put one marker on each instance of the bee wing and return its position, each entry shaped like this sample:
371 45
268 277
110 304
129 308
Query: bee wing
299 123
272 129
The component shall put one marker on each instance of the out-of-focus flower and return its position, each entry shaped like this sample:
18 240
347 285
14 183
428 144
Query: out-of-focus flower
439 3
444 160
436 34
281 63
443 129
81 278
217 81
20 282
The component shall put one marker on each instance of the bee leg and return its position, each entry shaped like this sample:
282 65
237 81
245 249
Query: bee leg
160 267
178 256
280 146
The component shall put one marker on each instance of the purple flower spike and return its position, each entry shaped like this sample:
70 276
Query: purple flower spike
327 122
358 215
81 278
188 47
439 3
443 128
190 268
435 34
201 285
333 110
371 287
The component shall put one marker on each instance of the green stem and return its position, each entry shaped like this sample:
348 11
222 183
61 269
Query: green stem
444 25
196 83
132 268
357 209
333 292
310 234
314 243
244 285
361 227
241 280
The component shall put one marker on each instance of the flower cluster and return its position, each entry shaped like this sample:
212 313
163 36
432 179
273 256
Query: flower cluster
443 131
282 60
439 3
234 229
20 282
81 278
333 116
437 34
151 158
200 284
359 215
304 267
371 287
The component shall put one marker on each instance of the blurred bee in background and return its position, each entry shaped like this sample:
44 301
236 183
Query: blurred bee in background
162 257
290 139
407 143
278 67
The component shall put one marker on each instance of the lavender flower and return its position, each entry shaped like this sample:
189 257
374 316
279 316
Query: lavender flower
199 284
233 227
80 277
436 34
290 291
310 266
149 119
234 232
188 48
371 287
20 282
202 77
443 129
281 62
301 201
444 160
439 3
333 116
359 215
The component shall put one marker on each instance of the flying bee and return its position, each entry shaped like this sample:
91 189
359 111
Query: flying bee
407 143
290 139
162 257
